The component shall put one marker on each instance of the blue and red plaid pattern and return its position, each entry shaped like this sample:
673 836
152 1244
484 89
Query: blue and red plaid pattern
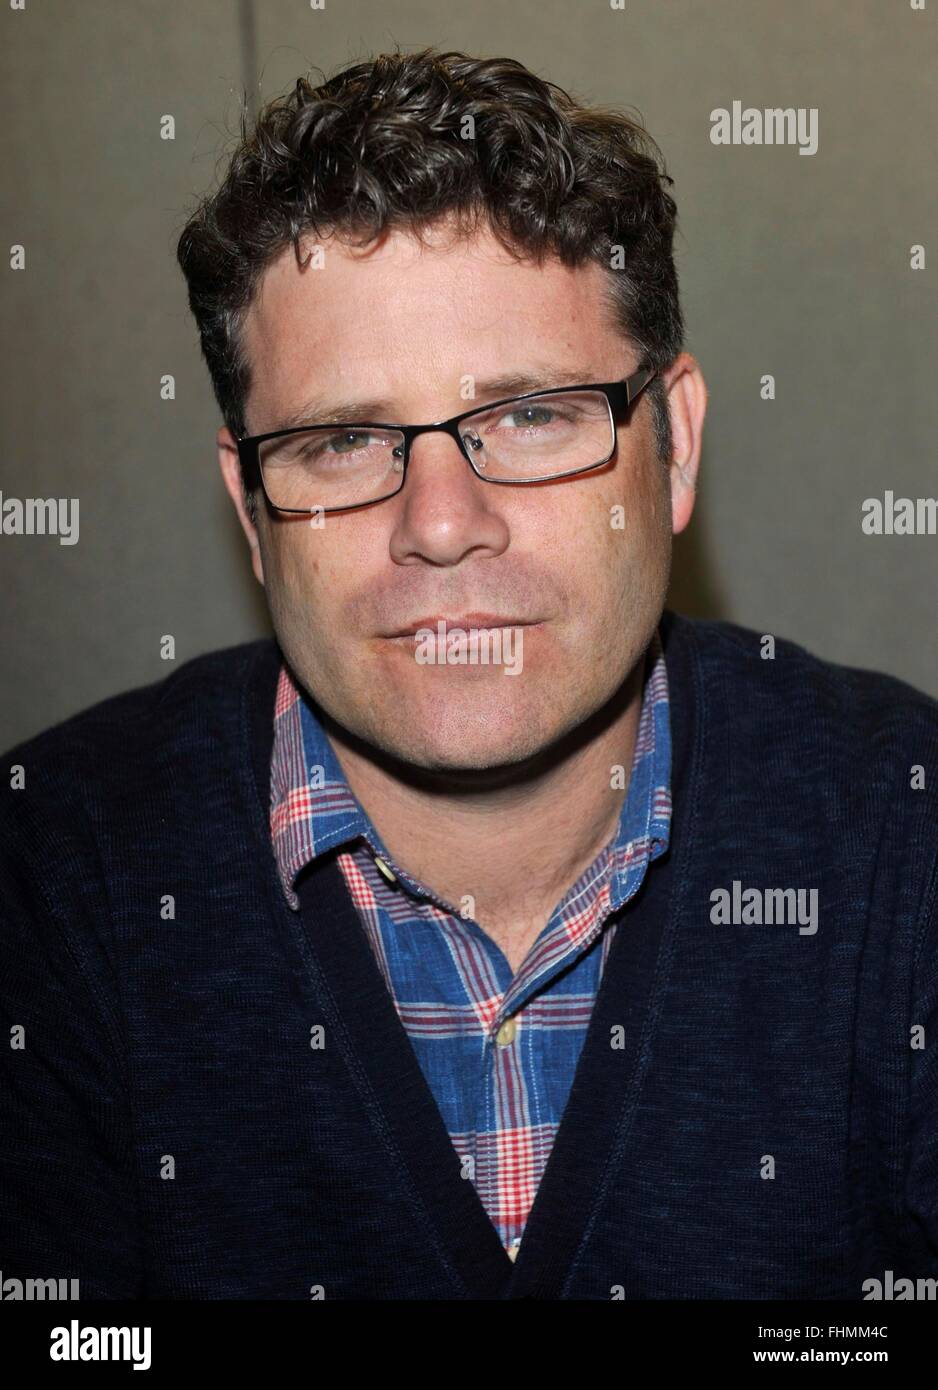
501 1093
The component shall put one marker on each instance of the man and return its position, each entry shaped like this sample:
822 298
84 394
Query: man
492 933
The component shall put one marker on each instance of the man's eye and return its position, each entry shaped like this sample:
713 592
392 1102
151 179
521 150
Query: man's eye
531 415
346 442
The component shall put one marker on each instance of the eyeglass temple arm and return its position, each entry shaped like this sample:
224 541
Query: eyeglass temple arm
644 376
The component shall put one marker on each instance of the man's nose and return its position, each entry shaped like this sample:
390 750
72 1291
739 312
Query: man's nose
446 511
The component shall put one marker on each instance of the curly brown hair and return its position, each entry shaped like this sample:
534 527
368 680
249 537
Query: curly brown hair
405 139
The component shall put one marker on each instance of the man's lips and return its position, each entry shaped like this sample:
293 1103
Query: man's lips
466 623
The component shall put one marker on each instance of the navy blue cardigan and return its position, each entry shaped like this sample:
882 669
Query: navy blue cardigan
754 1114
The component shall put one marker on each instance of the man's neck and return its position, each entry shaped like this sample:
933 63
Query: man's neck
504 856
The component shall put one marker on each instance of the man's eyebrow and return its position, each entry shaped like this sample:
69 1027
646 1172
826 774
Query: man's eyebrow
317 411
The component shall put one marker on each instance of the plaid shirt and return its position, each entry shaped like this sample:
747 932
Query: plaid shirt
499 1051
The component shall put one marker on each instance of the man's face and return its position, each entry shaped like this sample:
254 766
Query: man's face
582 563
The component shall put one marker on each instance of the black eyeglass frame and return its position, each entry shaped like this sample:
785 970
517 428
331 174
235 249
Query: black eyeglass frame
620 396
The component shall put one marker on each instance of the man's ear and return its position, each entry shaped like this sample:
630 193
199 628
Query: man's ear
230 466
687 403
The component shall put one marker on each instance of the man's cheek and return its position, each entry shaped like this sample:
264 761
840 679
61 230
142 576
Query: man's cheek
300 569
288 587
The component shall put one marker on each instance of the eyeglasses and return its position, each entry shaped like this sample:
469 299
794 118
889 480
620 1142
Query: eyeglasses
524 439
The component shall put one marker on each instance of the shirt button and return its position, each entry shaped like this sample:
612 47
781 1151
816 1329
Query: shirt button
389 874
506 1034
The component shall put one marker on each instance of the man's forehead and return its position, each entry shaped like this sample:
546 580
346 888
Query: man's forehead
297 315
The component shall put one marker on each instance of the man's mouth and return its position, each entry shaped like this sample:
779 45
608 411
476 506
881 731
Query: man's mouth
443 624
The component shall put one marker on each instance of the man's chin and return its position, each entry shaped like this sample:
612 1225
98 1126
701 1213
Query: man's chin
472 730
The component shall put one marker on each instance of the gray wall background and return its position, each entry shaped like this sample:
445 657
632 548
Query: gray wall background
791 265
